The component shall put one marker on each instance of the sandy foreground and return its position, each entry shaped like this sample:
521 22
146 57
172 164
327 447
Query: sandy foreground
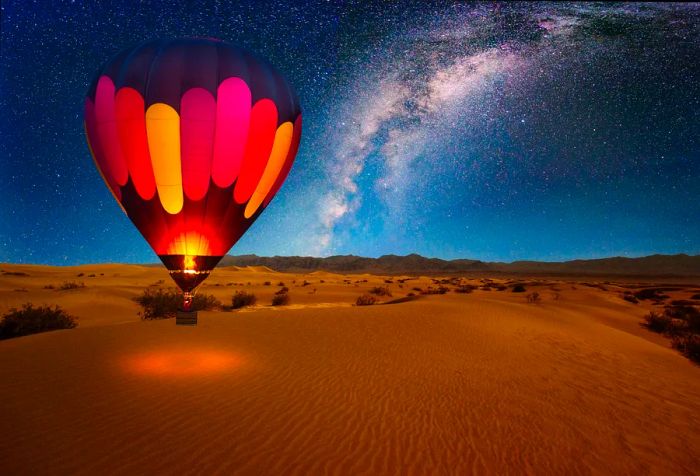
447 384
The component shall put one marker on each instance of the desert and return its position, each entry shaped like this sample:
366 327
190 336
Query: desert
479 381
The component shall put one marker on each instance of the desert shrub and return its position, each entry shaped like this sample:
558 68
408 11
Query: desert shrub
80 275
283 290
417 289
657 322
281 283
438 290
243 299
411 294
164 303
688 345
32 320
67 285
465 288
388 281
280 299
519 288
695 296
630 298
305 283
366 300
21 290
682 302
267 283
650 293
14 273
689 314
534 298
91 276
49 286
380 291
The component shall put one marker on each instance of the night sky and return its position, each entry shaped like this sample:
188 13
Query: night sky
489 131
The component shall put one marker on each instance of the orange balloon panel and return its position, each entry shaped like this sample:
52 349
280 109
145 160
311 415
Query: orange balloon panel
194 137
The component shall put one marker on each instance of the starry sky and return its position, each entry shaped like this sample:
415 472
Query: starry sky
490 131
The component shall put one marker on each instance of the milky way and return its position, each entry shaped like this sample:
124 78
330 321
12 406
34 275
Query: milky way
491 131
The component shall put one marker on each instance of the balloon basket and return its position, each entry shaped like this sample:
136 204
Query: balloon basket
186 318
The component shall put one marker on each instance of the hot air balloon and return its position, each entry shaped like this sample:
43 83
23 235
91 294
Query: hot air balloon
194 137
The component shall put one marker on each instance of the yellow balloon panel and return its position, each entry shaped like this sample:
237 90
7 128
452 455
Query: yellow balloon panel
163 130
280 149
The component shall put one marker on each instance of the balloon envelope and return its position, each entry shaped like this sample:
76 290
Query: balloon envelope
193 137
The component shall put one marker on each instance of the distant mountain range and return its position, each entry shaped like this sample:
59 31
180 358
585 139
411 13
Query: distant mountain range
655 265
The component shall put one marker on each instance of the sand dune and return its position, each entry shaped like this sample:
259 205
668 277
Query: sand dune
447 384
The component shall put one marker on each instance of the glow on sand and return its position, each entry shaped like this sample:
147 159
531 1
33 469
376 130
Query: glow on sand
183 362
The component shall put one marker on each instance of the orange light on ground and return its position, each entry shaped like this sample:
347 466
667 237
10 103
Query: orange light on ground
183 363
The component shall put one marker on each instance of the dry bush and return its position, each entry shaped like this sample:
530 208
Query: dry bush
283 290
688 345
656 322
380 291
366 300
534 298
519 288
280 299
67 285
629 297
654 294
49 286
14 273
243 299
438 290
267 283
465 288
164 303
695 296
32 320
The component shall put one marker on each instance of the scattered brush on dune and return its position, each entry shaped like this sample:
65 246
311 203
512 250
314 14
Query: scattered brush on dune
681 324
243 299
366 300
438 290
534 298
280 299
33 320
519 288
380 291
68 285
464 288
164 303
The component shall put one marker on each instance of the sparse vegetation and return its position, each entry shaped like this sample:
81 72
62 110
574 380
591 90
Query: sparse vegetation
243 299
49 286
534 298
267 283
14 273
80 275
380 291
519 288
629 297
280 299
465 288
33 320
366 300
654 294
164 303
283 290
68 285
438 290
682 325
